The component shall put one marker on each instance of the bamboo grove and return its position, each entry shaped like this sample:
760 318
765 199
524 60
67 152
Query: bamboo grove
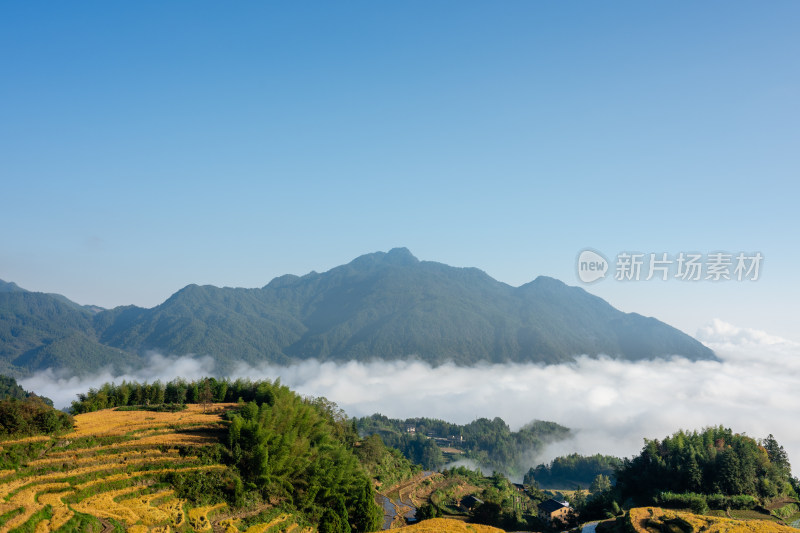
286 449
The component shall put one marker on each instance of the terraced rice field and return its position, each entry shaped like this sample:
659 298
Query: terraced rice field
656 520
107 474
445 525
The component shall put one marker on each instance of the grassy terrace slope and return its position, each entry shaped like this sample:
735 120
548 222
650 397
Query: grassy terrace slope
444 525
657 520
113 473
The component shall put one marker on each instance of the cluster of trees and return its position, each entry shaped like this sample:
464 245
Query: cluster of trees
418 449
712 461
300 451
572 470
23 413
500 503
177 391
9 388
387 466
30 416
294 451
488 442
493 444
713 468
700 503
503 506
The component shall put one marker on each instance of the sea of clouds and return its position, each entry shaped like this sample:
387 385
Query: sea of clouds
611 404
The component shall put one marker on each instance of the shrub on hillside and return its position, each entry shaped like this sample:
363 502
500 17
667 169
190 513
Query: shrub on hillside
31 416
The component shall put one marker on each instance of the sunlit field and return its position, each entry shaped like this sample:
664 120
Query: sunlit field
109 471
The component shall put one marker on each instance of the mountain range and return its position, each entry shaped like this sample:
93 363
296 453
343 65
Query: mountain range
379 306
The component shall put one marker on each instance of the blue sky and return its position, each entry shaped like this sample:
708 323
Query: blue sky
149 145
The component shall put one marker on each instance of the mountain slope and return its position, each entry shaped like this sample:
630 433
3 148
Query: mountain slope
6 286
391 305
379 306
230 324
39 331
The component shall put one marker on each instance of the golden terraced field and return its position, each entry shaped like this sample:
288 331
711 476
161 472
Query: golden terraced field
105 476
445 525
657 520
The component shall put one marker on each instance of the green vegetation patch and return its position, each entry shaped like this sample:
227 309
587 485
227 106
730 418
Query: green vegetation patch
31 416
786 511
301 450
488 442
45 513
386 465
105 486
16 455
81 523
572 470
8 515
714 461
205 487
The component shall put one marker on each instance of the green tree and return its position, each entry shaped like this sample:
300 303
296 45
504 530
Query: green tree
331 522
427 511
578 498
296 449
777 456
31 416
156 393
600 483
249 411
729 479
193 393
175 391
206 395
694 475
487 513
122 394
366 515
341 510
714 460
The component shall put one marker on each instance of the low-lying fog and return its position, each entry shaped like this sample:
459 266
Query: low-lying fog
613 405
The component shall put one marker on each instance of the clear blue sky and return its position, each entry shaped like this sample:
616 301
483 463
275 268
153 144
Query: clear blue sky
148 145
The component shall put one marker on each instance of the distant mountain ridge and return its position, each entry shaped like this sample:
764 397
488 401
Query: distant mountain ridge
379 306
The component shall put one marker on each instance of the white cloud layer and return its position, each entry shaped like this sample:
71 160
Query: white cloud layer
63 388
612 404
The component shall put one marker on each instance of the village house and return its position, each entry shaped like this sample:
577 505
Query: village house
553 509
469 502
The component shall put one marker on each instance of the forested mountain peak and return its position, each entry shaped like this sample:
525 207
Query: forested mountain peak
383 305
6 286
